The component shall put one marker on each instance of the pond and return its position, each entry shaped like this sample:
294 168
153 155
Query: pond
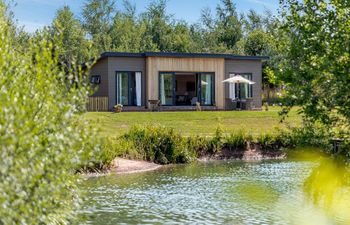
219 192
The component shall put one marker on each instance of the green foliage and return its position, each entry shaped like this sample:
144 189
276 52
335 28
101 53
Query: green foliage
229 25
312 135
315 70
257 43
73 47
109 149
199 145
157 144
217 141
107 25
42 139
266 142
163 145
271 76
276 142
237 141
97 19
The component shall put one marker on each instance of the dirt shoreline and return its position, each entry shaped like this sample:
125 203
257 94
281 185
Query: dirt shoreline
247 155
120 166
126 166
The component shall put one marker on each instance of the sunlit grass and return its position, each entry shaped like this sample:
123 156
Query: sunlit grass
191 123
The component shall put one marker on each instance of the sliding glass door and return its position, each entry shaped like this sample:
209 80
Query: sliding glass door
206 91
204 85
123 88
166 88
128 91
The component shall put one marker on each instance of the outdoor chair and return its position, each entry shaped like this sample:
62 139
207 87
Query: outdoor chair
248 105
231 104
154 105
194 100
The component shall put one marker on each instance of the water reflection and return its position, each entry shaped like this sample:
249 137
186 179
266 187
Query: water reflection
226 192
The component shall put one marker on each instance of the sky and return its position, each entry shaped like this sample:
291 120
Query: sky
34 14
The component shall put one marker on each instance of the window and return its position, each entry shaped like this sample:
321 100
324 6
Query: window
207 89
95 79
166 88
128 88
244 91
193 87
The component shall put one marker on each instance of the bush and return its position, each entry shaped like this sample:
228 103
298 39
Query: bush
312 135
158 144
279 141
237 141
217 142
198 145
42 139
109 149
266 142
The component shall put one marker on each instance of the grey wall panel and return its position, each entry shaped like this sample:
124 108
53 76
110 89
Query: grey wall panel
125 64
101 68
246 66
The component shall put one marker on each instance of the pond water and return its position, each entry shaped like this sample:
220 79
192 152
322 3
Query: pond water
220 192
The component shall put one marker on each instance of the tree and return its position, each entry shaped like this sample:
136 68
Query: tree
157 25
222 31
316 68
97 20
253 21
72 45
42 139
181 38
126 33
229 25
257 43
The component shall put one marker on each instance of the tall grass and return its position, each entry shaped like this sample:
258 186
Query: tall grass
163 145
158 144
238 141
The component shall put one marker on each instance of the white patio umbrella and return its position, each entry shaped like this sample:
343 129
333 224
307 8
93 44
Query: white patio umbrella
238 79
204 83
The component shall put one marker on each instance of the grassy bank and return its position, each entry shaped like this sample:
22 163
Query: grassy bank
180 137
194 123
164 145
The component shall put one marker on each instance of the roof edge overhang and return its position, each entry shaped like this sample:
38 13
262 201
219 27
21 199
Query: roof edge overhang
181 55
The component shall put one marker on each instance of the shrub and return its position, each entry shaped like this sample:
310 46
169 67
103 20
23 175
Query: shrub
42 139
285 139
237 141
217 142
185 153
265 141
155 143
110 148
199 146
312 135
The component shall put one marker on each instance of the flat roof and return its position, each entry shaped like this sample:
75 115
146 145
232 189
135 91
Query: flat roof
181 55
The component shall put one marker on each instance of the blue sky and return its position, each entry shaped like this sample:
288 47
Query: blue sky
34 14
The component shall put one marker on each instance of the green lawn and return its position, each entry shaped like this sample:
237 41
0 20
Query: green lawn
189 123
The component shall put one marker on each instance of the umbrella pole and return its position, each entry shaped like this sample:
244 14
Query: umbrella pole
239 96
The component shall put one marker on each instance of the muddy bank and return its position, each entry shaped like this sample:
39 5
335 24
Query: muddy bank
245 155
125 166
